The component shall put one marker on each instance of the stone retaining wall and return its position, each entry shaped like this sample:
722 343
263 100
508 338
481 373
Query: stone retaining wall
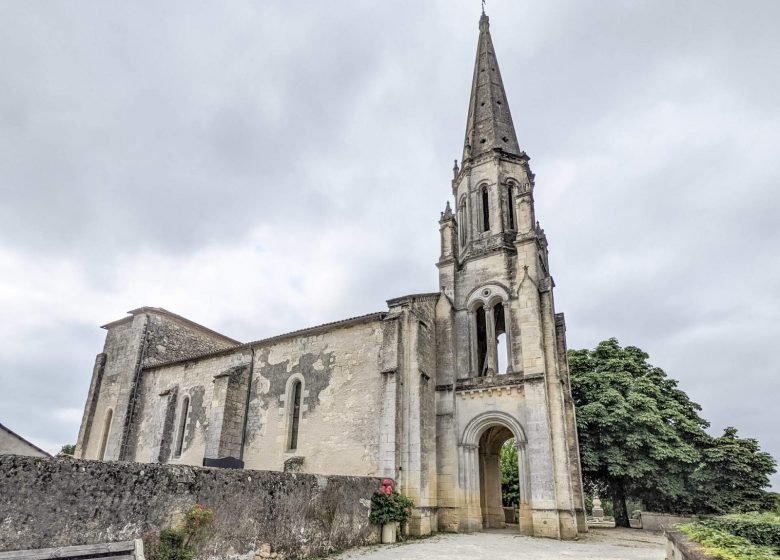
50 502
680 547
660 521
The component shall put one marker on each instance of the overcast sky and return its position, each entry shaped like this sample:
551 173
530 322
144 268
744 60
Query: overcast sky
260 167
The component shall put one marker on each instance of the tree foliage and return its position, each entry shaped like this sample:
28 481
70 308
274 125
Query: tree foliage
733 474
510 475
639 434
68 449
642 437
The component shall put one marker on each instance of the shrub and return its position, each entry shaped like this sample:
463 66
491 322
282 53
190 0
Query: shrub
393 508
725 546
759 528
198 523
181 543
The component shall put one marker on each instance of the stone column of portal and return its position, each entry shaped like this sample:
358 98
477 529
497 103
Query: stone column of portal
508 329
471 513
475 367
493 512
492 349
526 519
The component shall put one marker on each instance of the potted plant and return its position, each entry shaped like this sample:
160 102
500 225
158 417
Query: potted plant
389 509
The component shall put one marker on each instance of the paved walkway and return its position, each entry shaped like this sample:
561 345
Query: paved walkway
599 544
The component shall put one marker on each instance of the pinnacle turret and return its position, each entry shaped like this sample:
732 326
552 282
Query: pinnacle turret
489 124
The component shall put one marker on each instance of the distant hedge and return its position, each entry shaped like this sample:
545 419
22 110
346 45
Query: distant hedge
762 529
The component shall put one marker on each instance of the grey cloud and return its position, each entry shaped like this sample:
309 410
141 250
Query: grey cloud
160 129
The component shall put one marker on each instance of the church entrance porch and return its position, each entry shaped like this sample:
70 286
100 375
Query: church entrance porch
480 458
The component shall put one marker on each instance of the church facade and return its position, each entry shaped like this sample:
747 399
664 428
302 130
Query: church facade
425 392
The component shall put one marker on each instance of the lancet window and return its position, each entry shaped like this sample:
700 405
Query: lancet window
485 210
510 204
185 409
462 221
295 418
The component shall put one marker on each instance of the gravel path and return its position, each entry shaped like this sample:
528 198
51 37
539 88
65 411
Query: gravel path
599 544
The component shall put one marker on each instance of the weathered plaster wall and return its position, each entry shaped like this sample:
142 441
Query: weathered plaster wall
58 502
339 427
196 380
341 400
148 337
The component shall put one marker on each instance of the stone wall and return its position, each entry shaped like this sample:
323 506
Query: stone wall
680 547
148 337
338 367
659 521
172 337
58 502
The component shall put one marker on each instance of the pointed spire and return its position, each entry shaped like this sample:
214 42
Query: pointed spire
489 124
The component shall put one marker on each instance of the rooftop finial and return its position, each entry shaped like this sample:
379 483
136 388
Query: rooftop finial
484 21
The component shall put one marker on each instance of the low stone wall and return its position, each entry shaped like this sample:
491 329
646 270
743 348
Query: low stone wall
49 502
680 547
659 521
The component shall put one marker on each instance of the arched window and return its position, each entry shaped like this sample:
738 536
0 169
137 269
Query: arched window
482 342
104 437
462 221
295 410
510 206
185 409
485 210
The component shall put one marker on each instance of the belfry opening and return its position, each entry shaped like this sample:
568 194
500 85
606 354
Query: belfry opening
492 349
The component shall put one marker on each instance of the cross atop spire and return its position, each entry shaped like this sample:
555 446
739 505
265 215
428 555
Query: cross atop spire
489 125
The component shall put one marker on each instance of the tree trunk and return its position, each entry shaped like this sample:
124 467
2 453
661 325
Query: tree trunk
619 505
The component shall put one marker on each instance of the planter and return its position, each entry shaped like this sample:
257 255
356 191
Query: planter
388 533
635 523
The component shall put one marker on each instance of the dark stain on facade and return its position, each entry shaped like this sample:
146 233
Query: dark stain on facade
315 378
167 431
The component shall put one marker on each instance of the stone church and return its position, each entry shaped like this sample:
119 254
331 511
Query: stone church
425 392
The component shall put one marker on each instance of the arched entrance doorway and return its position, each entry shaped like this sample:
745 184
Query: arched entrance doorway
480 453
491 500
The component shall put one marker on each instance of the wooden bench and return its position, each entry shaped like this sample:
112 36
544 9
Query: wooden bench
127 550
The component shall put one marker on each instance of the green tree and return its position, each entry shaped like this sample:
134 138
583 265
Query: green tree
510 475
68 449
733 474
639 434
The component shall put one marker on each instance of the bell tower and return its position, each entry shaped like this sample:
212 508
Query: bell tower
501 347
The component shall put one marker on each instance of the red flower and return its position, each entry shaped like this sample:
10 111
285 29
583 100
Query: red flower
387 486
